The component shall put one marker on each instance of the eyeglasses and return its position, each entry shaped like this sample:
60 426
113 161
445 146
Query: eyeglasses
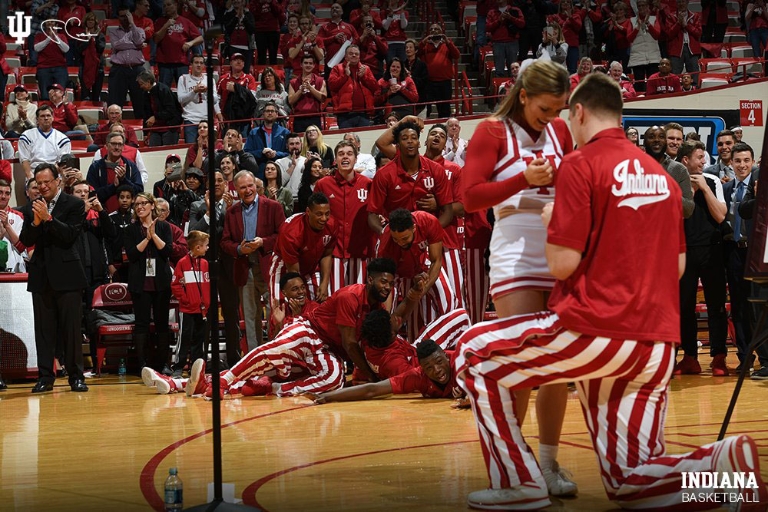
141 203
116 144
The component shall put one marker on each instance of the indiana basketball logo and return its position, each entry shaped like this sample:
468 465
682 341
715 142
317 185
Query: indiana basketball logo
429 182
327 239
423 245
362 195
642 189
20 27
715 487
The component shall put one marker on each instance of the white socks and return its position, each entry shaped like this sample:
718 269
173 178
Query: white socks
547 456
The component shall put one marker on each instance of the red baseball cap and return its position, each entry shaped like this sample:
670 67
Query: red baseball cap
237 56
172 156
57 86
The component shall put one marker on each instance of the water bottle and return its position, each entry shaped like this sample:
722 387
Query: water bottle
121 370
174 499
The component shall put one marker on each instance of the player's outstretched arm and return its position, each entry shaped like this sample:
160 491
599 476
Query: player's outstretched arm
353 394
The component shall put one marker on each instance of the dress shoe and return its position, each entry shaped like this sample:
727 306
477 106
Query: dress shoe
719 369
42 386
3 385
687 366
78 385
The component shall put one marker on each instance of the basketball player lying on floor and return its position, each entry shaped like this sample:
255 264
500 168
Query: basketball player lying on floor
434 378
294 306
319 343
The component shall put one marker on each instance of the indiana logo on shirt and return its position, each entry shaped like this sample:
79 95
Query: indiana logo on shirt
638 188
429 182
423 245
327 239
362 195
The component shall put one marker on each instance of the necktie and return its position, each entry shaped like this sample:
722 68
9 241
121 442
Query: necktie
737 217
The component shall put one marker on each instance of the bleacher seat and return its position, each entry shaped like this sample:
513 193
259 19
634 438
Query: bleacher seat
750 65
721 66
741 51
708 80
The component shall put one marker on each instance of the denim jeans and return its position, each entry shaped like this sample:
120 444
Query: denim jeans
190 132
170 73
504 54
354 120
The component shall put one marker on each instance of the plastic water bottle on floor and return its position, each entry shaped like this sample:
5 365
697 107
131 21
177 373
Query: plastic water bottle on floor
121 371
174 498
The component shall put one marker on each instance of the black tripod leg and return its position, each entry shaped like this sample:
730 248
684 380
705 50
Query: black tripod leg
758 339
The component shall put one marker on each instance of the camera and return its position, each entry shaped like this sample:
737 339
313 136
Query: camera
175 173
369 25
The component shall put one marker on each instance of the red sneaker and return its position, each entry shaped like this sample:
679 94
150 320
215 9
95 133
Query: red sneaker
223 387
196 384
687 366
258 387
719 369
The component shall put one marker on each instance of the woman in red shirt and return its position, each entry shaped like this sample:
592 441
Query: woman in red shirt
397 90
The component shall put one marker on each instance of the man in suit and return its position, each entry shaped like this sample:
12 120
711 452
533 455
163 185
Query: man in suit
162 112
250 233
200 219
735 244
53 224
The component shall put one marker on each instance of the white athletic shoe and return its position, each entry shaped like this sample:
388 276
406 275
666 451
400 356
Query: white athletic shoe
523 497
559 481
196 384
738 454
148 376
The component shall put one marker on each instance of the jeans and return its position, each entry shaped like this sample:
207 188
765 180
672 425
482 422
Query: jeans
396 49
354 120
481 39
170 73
757 37
49 76
190 132
687 60
641 75
572 59
167 138
301 123
437 91
267 42
122 81
504 54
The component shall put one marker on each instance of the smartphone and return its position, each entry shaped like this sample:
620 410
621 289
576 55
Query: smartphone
91 194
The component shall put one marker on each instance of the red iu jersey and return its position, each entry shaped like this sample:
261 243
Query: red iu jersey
416 381
348 200
454 232
348 307
298 243
623 213
394 188
414 260
399 357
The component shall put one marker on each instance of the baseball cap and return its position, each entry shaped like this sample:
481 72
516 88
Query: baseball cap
20 87
56 86
237 56
172 156
194 171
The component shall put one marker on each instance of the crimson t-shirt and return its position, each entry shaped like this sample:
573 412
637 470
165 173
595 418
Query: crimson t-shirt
412 261
399 357
416 381
348 307
394 188
621 210
348 208
298 243
169 49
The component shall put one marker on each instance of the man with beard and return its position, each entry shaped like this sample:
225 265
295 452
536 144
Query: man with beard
292 166
655 144
317 345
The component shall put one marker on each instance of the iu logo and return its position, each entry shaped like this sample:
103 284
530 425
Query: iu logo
362 195
326 239
20 26
423 245
429 182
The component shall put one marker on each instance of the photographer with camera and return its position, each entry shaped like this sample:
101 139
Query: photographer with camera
109 173
504 24
373 48
756 17
394 29
439 54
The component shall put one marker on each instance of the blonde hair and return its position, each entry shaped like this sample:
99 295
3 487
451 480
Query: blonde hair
195 238
541 77
321 146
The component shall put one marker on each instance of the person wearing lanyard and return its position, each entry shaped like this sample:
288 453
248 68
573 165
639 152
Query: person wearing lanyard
148 245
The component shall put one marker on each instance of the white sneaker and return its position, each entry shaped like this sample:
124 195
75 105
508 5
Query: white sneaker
148 376
523 497
196 384
738 454
559 481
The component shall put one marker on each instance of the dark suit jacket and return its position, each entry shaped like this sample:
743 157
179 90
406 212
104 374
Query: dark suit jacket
138 259
55 260
197 221
728 225
747 206
168 111
271 216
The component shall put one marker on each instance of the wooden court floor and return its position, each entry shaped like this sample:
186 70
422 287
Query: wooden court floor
110 449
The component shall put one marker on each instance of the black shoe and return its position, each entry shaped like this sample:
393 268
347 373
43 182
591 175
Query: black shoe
78 385
167 371
42 386
3 385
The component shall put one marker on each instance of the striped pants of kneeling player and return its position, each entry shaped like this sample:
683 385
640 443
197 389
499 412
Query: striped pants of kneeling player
439 300
622 385
296 347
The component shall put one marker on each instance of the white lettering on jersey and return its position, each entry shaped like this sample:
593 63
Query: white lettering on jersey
642 188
